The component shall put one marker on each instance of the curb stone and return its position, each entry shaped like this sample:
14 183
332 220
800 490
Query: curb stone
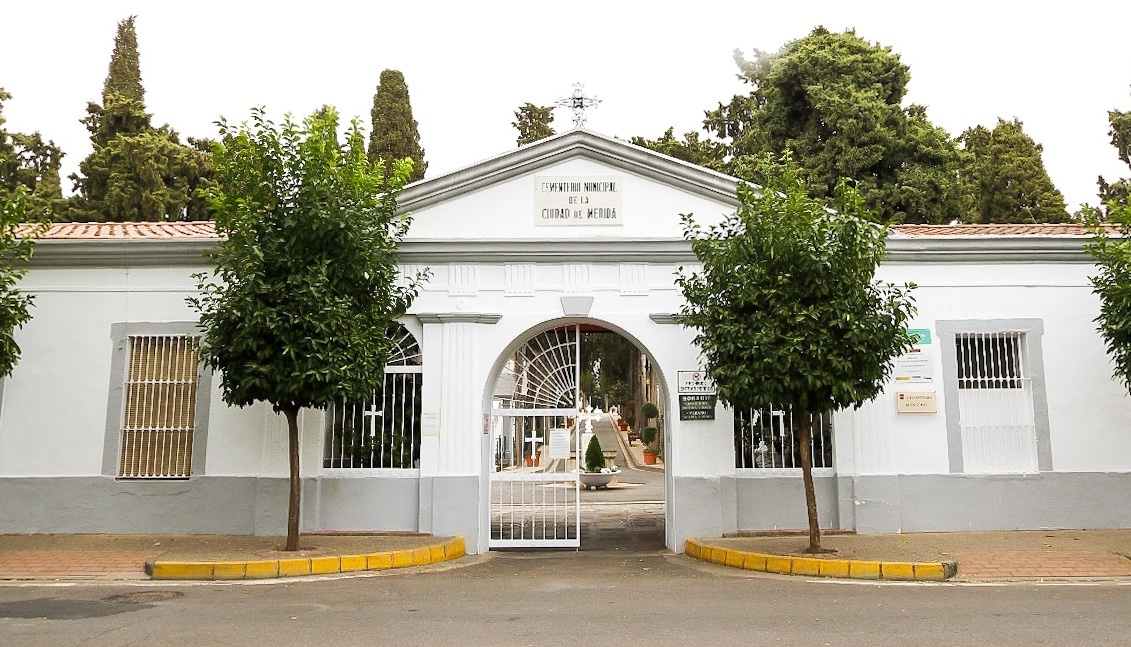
816 567
290 567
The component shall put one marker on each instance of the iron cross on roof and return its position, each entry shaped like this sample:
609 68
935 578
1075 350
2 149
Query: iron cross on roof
578 102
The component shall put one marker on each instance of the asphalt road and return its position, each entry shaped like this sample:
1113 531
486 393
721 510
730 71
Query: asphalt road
622 597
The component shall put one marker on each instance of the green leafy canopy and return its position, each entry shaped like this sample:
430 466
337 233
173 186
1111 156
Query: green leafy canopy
17 240
786 307
307 271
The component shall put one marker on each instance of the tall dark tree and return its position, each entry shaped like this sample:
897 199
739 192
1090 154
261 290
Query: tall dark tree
1006 177
836 102
787 310
136 171
533 123
306 278
1118 191
702 151
395 134
30 162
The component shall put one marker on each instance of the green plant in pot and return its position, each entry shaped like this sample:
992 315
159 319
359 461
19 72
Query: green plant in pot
649 435
650 411
594 456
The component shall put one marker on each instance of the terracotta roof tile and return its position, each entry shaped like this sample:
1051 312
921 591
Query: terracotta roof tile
1066 229
205 230
129 230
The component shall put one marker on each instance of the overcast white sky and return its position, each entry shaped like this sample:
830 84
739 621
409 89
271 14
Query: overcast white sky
470 65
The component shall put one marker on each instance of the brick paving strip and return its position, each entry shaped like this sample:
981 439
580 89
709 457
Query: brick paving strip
1044 563
35 564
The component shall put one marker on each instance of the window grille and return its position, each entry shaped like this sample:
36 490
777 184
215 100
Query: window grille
385 431
765 439
995 403
989 361
160 407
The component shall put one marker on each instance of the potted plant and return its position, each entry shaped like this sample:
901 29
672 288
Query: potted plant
650 411
596 474
650 436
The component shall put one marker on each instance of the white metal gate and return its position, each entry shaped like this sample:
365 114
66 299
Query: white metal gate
535 489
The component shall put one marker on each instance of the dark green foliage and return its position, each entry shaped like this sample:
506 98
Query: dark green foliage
1118 191
1112 283
594 456
835 102
30 162
704 152
606 362
16 248
1006 177
135 172
648 435
395 134
533 123
1112 253
650 411
306 278
787 310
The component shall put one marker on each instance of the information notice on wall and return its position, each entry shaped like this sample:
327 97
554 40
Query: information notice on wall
578 200
697 407
918 364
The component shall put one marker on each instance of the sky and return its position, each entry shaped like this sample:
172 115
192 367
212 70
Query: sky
469 65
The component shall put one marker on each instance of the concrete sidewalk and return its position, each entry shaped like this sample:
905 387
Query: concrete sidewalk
208 557
982 556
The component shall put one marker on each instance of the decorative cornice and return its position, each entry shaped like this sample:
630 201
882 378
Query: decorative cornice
144 252
457 317
574 143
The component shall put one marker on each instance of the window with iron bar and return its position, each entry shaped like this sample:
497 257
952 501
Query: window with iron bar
385 431
989 360
765 438
159 415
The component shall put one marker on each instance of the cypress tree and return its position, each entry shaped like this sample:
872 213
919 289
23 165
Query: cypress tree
1006 177
30 162
136 171
395 134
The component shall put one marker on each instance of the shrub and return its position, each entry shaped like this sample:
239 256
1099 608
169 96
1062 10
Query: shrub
650 411
594 456
648 435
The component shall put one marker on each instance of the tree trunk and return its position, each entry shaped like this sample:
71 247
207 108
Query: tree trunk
291 412
803 430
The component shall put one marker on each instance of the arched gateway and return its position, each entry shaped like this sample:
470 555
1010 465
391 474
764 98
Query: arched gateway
1004 417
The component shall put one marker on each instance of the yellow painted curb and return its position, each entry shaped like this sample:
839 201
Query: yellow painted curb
453 548
812 566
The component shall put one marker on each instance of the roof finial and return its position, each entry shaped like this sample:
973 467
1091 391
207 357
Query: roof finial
578 102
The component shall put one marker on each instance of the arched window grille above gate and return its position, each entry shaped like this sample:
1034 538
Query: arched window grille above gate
385 431
542 373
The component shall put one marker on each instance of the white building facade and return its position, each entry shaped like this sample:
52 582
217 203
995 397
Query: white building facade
1005 417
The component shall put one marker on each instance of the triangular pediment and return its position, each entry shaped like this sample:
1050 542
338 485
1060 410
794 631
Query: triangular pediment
502 197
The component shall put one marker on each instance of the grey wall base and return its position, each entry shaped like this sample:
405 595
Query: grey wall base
99 504
778 503
963 502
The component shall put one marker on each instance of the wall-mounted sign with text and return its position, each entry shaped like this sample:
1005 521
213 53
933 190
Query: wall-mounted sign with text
917 364
694 382
697 407
578 200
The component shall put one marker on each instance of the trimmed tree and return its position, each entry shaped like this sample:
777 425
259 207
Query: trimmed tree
395 134
306 279
786 307
533 123
17 240
594 456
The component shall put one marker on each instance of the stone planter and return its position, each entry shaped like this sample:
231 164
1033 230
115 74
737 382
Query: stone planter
594 480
